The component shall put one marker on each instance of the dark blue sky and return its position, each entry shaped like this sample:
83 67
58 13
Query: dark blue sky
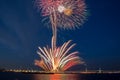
21 32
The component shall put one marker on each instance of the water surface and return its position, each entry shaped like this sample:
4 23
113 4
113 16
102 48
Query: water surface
23 76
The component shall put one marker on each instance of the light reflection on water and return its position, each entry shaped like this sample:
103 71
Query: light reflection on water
56 77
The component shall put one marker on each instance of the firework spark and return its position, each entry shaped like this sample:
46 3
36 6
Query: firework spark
58 59
67 13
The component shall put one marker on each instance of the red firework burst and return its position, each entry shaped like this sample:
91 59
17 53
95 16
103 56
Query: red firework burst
67 13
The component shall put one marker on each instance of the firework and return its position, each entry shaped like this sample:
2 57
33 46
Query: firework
65 13
58 59
62 13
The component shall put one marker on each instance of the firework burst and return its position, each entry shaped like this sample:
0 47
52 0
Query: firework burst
58 59
66 13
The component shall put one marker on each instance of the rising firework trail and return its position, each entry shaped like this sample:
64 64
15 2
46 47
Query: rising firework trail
62 14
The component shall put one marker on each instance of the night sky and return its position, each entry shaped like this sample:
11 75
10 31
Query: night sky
22 31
